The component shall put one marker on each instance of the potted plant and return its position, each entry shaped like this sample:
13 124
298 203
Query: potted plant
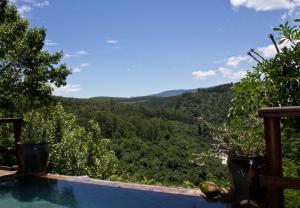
33 149
241 140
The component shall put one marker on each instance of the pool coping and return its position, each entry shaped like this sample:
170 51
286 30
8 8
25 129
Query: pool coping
127 185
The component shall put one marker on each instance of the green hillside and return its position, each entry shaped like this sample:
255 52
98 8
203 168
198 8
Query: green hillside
155 138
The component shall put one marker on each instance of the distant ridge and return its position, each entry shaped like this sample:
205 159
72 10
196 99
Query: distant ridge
171 93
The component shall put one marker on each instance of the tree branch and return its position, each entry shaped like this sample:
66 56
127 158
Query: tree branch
253 51
249 53
274 42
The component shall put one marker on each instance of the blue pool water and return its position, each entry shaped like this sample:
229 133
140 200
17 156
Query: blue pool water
44 193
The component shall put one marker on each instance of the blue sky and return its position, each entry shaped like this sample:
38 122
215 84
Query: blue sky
140 47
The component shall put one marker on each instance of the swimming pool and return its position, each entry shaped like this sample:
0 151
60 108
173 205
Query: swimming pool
48 193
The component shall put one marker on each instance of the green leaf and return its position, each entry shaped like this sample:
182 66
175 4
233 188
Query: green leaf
282 41
286 24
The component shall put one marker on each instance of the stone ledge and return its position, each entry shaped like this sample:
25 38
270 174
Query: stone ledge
154 188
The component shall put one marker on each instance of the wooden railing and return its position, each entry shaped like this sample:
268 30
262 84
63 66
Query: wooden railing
272 179
17 125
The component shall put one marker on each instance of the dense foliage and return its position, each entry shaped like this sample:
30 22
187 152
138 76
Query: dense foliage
75 150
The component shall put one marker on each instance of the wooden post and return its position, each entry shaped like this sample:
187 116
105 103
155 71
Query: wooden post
273 157
17 133
273 180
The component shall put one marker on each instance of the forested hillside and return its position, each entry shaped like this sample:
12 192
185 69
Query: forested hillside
155 138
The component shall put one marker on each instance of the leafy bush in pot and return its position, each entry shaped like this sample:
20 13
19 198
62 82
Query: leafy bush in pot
34 129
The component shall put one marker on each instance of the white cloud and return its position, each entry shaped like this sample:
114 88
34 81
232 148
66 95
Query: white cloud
76 69
37 3
26 6
50 43
266 5
203 74
84 65
235 61
42 4
67 89
24 9
111 41
225 72
81 52
270 50
229 73
76 54
80 67
67 55
267 51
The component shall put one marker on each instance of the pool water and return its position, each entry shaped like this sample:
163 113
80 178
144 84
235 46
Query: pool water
46 193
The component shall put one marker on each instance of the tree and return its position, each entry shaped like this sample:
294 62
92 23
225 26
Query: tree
27 72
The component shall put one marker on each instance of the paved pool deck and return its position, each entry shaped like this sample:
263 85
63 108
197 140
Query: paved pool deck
9 175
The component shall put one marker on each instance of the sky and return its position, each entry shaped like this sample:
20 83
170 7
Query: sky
127 48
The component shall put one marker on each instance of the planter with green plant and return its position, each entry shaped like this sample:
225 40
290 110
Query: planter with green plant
242 141
33 149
